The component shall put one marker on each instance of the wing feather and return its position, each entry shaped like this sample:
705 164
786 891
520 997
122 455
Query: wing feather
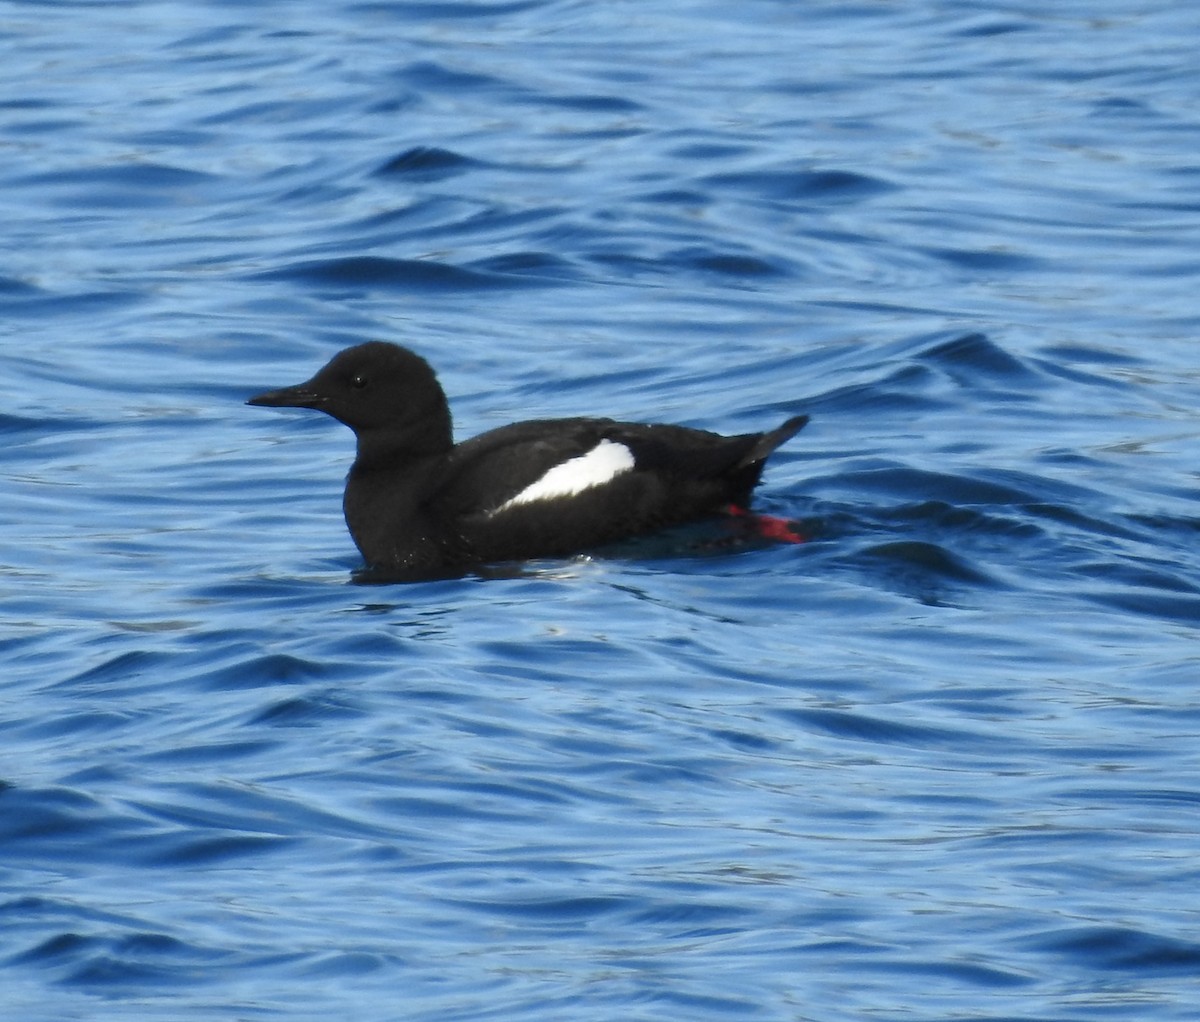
492 468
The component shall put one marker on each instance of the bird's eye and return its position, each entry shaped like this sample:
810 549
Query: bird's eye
358 381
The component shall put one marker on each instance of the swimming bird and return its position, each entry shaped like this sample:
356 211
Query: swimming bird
420 506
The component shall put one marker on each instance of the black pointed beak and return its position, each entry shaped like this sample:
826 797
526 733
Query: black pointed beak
302 395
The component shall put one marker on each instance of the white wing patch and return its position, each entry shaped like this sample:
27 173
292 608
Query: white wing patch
604 462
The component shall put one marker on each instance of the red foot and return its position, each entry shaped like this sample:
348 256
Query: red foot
767 526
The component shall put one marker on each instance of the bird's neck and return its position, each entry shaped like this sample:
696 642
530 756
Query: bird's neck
385 491
383 450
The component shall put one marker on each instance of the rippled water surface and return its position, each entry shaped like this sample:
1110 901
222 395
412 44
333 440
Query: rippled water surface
942 761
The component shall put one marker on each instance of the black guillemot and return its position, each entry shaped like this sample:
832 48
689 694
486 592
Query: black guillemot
419 506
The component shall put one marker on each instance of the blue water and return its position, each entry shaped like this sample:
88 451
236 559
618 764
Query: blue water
941 762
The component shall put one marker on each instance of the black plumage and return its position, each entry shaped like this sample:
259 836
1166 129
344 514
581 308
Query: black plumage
420 506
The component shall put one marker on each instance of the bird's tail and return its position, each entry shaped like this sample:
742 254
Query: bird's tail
769 441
